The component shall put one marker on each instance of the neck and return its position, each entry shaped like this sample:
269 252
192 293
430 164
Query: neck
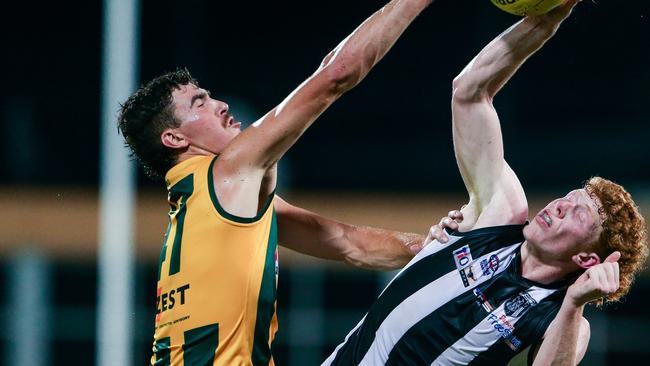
193 151
536 268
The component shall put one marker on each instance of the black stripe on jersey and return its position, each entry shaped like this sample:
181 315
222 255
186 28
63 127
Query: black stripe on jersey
200 345
418 275
223 212
432 335
179 193
266 302
442 328
530 330
426 340
161 352
513 233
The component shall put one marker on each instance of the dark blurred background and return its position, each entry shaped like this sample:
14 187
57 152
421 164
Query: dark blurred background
576 109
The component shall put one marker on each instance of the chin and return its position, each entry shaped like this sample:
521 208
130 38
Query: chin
532 232
528 229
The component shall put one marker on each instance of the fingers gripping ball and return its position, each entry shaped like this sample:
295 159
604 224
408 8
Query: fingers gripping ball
527 7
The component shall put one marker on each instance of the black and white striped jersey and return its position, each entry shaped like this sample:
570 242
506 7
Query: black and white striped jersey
459 303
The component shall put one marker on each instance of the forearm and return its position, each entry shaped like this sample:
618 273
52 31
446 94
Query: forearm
261 146
566 340
500 59
309 233
560 344
353 58
478 143
380 249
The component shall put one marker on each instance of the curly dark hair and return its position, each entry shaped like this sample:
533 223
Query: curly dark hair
624 230
146 114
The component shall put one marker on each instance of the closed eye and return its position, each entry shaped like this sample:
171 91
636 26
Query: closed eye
200 97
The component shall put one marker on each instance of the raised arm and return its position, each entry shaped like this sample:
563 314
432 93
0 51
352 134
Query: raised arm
478 144
309 233
566 339
264 143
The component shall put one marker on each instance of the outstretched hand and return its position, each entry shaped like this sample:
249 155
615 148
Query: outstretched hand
450 221
560 13
596 282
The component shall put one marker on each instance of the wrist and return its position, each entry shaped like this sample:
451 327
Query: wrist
573 304
543 25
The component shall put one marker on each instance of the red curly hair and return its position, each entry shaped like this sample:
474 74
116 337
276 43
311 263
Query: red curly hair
624 230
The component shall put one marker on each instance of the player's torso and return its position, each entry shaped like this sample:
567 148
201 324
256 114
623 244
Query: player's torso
217 277
458 303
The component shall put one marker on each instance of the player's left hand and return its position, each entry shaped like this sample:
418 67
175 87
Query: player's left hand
596 282
450 221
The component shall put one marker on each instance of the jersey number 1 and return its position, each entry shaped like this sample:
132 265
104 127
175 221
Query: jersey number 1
179 193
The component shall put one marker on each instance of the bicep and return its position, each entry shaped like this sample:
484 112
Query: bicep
494 189
307 232
266 140
247 158
478 146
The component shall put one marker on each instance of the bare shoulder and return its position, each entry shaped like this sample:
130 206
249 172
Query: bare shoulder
237 189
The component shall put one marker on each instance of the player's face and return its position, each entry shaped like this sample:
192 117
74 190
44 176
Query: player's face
205 122
566 225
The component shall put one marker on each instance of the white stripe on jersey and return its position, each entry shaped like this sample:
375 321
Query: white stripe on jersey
432 248
485 334
424 302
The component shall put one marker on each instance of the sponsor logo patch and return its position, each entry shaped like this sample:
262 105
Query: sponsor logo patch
472 272
482 300
469 276
462 257
167 300
505 329
519 304
489 266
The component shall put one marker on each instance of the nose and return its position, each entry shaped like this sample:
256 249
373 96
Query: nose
562 207
222 108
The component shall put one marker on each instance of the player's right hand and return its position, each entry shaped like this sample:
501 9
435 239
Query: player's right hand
437 231
596 282
560 13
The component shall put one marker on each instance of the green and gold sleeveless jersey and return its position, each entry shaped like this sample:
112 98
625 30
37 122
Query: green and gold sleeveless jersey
217 277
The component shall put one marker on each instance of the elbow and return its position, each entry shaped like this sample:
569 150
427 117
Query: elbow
342 71
340 77
465 89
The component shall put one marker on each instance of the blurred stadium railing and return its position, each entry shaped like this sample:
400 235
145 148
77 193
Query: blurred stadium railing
48 271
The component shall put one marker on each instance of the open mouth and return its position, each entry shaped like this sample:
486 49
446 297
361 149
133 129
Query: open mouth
232 123
545 218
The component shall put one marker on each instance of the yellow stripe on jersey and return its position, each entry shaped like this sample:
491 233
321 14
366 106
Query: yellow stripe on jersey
217 277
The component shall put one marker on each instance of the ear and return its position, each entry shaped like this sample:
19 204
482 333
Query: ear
173 139
586 260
